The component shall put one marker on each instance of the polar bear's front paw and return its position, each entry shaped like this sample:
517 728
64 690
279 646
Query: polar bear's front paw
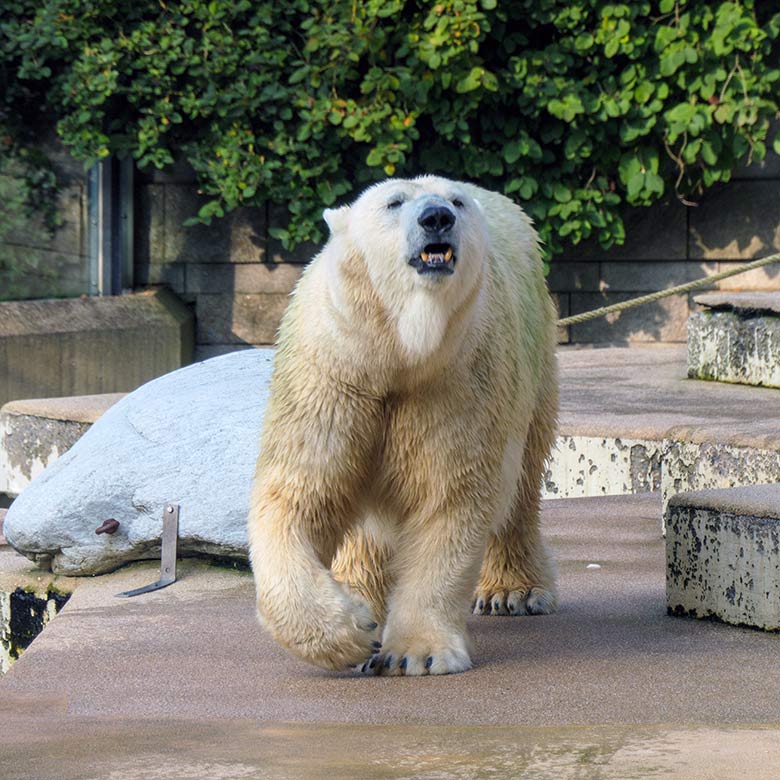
337 632
503 601
413 657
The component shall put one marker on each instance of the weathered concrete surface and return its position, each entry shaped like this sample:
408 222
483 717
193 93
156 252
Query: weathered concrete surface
190 437
91 345
34 433
29 599
723 555
736 339
706 464
592 466
710 434
747 303
183 683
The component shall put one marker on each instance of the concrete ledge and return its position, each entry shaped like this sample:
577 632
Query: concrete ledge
736 339
582 466
723 555
703 465
29 599
34 433
91 345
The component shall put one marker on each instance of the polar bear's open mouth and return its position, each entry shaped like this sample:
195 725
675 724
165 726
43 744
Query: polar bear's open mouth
435 259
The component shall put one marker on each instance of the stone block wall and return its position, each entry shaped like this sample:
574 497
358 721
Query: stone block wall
35 263
237 278
233 274
671 244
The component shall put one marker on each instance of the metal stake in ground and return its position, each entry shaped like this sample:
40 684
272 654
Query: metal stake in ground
170 535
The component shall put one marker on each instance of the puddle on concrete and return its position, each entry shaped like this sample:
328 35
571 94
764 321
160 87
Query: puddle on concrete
87 749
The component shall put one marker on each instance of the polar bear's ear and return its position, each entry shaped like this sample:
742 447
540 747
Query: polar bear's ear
336 219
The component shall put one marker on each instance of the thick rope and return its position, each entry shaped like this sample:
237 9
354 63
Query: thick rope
681 288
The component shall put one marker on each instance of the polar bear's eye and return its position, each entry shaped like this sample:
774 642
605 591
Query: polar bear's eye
458 203
395 204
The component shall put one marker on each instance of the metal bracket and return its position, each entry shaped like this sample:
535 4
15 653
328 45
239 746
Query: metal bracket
170 535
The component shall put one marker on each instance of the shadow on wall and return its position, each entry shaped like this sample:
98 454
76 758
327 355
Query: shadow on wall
666 245
232 273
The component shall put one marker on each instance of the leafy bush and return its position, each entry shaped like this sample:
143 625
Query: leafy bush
571 108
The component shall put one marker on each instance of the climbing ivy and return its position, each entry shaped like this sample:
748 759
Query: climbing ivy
571 108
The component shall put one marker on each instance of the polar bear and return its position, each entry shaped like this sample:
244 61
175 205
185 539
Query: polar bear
413 406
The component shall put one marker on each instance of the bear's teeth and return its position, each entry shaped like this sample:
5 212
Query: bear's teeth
424 256
448 255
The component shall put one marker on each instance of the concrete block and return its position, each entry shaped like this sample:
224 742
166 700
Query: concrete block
34 433
40 273
561 301
55 348
149 227
658 232
29 231
736 222
242 277
240 318
239 237
584 466
651 276
723 555
725 346
736 338
169 274
664 320
568 277
691 462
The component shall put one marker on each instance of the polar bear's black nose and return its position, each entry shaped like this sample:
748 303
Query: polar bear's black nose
436 219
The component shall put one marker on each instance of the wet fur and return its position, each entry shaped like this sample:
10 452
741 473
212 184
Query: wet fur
405 441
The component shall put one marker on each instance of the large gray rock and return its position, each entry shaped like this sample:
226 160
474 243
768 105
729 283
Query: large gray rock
190 437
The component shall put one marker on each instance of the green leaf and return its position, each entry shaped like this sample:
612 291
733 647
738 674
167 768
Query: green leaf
471 81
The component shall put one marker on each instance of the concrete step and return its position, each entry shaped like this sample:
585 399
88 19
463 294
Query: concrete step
723 555
736 338
29 599
34 433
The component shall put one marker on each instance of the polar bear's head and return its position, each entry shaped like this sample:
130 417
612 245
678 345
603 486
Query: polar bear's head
426 229
424 242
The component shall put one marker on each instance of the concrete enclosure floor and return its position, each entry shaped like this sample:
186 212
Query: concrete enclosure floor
183 683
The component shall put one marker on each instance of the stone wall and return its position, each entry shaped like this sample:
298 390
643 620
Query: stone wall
237 278
35 263
234 275
671 244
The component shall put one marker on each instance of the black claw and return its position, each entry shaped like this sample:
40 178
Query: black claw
372 626
402 665
376 645
372 662
429 662
364 667
388 661
481 604
511 607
